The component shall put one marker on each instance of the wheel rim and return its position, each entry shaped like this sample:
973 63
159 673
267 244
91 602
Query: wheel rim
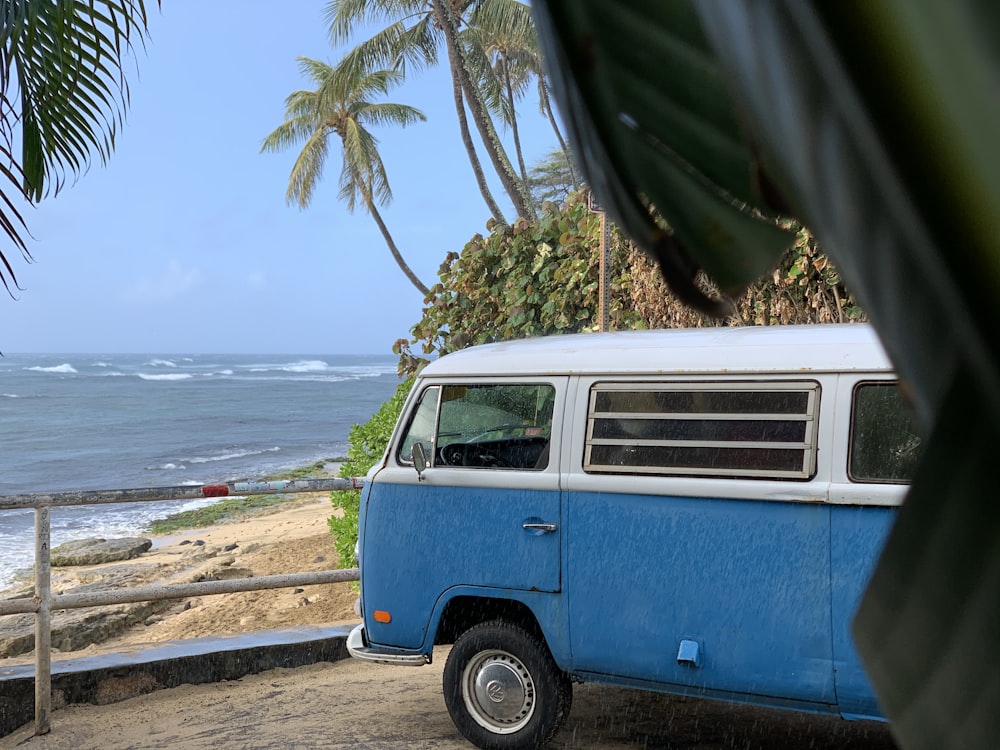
498 691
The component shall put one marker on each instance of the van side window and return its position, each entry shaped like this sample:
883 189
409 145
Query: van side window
757 430
884 444
501 426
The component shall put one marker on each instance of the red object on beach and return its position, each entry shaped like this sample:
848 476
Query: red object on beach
215 490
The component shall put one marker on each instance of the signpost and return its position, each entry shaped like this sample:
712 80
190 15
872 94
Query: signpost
604 288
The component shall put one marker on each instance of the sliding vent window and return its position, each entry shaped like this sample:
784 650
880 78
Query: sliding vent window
757 430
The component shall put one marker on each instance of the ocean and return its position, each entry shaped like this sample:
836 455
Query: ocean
86 422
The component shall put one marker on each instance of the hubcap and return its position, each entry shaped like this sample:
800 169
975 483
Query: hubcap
498 691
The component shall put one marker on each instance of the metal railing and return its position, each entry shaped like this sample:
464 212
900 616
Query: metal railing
42 603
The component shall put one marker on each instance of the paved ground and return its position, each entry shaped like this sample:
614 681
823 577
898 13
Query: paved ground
349 704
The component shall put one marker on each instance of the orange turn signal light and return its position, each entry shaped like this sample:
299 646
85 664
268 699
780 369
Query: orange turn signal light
381 615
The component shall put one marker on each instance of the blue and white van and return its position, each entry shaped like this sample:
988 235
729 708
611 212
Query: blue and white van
688 511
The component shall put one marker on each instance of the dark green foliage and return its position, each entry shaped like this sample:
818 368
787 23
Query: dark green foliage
542 278
529 279
368 442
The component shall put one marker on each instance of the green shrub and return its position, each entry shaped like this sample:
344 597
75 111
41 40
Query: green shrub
527 279
367 443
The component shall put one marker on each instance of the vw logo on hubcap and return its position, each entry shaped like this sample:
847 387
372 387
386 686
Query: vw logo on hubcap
495 690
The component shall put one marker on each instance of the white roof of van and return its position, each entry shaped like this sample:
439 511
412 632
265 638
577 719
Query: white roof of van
789 348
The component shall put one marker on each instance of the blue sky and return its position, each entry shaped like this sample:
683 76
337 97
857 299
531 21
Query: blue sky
183 241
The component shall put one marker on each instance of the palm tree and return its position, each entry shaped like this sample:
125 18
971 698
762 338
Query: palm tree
551 180
63 96
501 39
416 30
340 106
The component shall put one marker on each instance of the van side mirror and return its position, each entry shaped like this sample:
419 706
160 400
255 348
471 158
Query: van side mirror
419 459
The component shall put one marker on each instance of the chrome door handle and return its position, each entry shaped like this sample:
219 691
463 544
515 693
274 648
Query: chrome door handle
546 527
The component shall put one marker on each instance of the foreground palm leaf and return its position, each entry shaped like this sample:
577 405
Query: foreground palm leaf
877 122
671 141
63 95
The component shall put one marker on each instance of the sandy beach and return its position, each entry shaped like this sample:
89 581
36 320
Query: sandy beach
293 538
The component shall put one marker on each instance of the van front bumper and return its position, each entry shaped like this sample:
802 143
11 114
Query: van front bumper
357 647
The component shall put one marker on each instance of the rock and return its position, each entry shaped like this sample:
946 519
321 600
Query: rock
74 629
230 547
95 551
228 573
200 551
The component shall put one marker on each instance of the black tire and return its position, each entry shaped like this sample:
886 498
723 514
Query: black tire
503 689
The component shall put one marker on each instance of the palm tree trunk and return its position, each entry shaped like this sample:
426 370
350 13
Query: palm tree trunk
514 187
470 148
513 119
543 92
394 250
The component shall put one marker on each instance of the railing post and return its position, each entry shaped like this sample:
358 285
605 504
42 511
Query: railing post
43 620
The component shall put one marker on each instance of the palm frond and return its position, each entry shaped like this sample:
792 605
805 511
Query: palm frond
65 61
307 169
391 114
397 46
481 68
343 17
63 94
340 105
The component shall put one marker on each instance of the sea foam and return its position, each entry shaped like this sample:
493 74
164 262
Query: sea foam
64 368
230 456
165 376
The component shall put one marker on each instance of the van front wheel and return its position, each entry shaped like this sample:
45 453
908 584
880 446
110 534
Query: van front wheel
503 689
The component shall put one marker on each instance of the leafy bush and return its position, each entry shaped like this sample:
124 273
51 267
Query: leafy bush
367 443
528 279
804 288
543 278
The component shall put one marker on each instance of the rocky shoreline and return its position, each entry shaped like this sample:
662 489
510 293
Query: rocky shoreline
89 565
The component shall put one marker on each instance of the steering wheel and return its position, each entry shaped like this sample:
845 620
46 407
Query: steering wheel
453 454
